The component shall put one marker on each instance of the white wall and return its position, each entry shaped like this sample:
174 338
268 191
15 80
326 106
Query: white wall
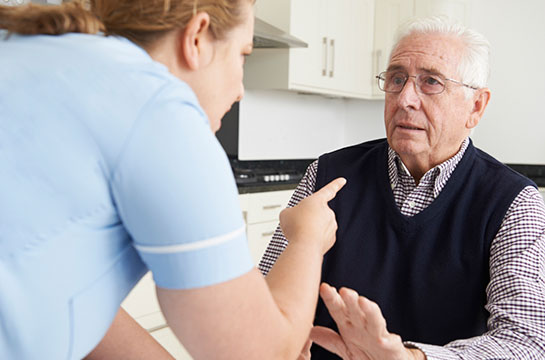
513 128
284 125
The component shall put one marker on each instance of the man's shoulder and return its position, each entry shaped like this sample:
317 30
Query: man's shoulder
494 165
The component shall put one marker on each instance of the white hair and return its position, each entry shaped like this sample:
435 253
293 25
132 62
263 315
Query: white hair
474 67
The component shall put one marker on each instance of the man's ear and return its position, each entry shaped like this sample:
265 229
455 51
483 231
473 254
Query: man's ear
195 42
480 101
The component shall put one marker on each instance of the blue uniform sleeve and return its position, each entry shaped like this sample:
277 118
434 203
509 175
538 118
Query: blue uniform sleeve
177 197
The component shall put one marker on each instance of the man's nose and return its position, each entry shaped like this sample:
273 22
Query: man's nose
409 95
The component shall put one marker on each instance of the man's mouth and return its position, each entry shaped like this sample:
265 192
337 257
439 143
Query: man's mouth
407 127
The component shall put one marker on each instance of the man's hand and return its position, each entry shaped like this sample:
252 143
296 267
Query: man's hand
362 329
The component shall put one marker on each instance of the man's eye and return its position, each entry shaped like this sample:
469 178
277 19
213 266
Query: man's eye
431 80
397 79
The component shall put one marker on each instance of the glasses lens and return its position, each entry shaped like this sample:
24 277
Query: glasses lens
391 81
430 83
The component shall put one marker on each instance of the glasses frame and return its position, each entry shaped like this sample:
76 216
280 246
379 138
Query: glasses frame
380 77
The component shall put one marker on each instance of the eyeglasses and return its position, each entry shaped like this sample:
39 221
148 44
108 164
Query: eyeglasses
429 84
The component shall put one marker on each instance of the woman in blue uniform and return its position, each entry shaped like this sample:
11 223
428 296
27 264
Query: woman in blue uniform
110 168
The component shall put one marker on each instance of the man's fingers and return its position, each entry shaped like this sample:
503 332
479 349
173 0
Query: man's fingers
352 307
329 340
376 323
333 302
329 191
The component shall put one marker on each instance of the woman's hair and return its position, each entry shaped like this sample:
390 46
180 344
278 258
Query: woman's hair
141 21
474 67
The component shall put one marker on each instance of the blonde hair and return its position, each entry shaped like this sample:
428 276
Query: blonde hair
142 21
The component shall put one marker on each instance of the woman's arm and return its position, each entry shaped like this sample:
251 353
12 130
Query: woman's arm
249 318
126 339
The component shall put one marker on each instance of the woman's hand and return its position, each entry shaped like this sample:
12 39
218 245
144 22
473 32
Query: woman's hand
362 329
311 220
305 353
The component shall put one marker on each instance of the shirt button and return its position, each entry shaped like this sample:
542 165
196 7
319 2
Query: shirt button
412 204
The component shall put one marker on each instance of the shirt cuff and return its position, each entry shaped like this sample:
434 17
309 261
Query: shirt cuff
433 352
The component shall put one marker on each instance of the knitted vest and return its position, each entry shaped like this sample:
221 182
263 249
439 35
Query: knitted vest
428 273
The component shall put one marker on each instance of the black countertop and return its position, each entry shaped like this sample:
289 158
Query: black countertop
534 172
264 188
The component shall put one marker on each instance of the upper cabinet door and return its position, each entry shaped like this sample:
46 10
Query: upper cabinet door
308 67
389 14
338 59
349 43
352 38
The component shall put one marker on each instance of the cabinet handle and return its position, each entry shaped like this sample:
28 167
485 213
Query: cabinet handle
270 207
324 53
267 234
332 71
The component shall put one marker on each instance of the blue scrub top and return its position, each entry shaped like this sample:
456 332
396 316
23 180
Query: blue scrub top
108 168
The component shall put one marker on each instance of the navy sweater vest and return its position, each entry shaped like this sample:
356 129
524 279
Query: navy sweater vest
428 273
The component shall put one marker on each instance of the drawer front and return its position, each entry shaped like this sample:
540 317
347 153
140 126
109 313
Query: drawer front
170 342
259 236
142 304
262 207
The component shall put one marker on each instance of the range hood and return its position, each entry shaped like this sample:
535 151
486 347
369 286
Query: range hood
269 36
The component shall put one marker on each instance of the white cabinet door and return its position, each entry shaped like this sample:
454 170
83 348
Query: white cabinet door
259 236
354 68
308 66
266 206
261 212
389 14
170 342
338 59
142 304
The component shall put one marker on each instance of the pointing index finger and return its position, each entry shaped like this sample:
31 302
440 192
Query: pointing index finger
329 191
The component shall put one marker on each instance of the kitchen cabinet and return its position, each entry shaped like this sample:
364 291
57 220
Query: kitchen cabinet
338 60
349 43
142 305
168 340
390 14
261 211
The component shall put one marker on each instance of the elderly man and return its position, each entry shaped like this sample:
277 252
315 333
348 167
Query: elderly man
438 238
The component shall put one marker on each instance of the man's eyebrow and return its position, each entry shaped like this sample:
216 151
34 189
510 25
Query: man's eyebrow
395 68
430 70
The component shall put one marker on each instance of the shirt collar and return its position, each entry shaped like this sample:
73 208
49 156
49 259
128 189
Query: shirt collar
438 176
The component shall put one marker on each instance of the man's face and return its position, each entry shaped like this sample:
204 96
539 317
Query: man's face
427 129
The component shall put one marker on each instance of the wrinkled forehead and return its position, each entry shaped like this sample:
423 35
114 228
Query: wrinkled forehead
427 52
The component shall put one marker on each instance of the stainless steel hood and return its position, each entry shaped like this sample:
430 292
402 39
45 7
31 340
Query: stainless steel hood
269 36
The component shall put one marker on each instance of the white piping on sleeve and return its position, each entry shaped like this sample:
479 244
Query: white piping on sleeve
170 249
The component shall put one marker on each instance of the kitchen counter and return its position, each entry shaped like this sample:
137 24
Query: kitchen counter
265 187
